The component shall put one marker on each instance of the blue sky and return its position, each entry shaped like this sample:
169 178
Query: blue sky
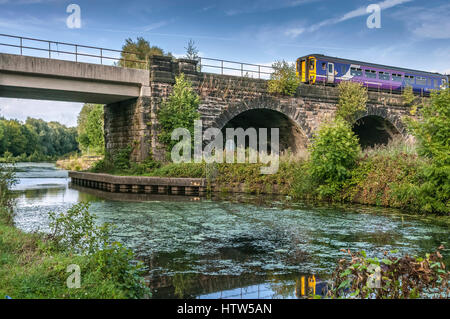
413 33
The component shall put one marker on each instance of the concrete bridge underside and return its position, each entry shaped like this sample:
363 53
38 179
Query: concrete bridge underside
47 79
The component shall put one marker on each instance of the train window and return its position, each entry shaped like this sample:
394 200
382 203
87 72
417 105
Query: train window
324 66
409 79
396 77
384 76
311 64
343 69
371 74
355 71
421 80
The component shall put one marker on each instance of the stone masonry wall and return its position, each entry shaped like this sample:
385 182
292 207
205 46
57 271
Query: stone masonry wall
222 98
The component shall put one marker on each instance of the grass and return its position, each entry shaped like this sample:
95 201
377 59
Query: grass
34 265
29 269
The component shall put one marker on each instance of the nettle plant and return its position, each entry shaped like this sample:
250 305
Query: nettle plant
390 277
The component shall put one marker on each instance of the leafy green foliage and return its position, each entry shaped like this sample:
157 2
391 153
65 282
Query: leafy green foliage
352 99
90 129
283 80
136 54
334 152
36 140
76 230
121 159
7 180
432 132
180 110
112 163
35 266
399 277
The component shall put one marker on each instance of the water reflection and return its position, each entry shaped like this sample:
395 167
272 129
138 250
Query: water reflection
216 248
246 286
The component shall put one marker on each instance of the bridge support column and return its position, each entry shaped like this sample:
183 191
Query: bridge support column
128 123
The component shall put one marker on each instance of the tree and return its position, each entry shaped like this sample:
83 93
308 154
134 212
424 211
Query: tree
13 138
139 51
36 139
90 128
191 50
352 99
283 80
178 111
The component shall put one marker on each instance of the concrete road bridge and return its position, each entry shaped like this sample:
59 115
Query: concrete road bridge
131 97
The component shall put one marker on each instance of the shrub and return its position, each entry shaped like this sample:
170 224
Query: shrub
178 111
432 132
7 180
391 277
76 231
283 80
352 99
408 96
121 160
334 152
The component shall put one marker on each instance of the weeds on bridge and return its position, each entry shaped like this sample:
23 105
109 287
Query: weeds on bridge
283 81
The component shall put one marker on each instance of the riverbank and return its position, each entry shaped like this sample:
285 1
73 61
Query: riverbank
78 162
35 265
194 247
386 176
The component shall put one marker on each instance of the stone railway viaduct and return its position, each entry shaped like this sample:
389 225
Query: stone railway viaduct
132 98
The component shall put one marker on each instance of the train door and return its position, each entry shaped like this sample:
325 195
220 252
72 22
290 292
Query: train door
311 70
304 70
330 72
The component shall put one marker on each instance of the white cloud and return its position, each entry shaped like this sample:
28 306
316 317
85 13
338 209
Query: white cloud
386 4
263 5
294 32
425 22
155 25
63 112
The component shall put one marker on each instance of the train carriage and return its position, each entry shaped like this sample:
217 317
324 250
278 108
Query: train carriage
322 69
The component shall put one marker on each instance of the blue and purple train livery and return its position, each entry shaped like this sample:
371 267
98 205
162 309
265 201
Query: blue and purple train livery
318 68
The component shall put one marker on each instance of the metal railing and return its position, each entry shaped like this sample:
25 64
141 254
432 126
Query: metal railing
235 68
27 45
77 49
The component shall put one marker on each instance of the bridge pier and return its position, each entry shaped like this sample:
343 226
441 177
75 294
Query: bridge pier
126 123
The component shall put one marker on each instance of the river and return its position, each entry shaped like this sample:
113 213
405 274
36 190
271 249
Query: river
236 247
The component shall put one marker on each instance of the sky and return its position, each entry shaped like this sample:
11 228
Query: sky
413 34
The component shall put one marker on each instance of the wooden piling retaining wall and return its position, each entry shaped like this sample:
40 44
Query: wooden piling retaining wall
140 184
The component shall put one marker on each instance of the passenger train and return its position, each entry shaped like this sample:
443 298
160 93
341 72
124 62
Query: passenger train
318 68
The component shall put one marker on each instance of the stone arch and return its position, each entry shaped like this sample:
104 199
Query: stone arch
377 125
385 113
279 109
